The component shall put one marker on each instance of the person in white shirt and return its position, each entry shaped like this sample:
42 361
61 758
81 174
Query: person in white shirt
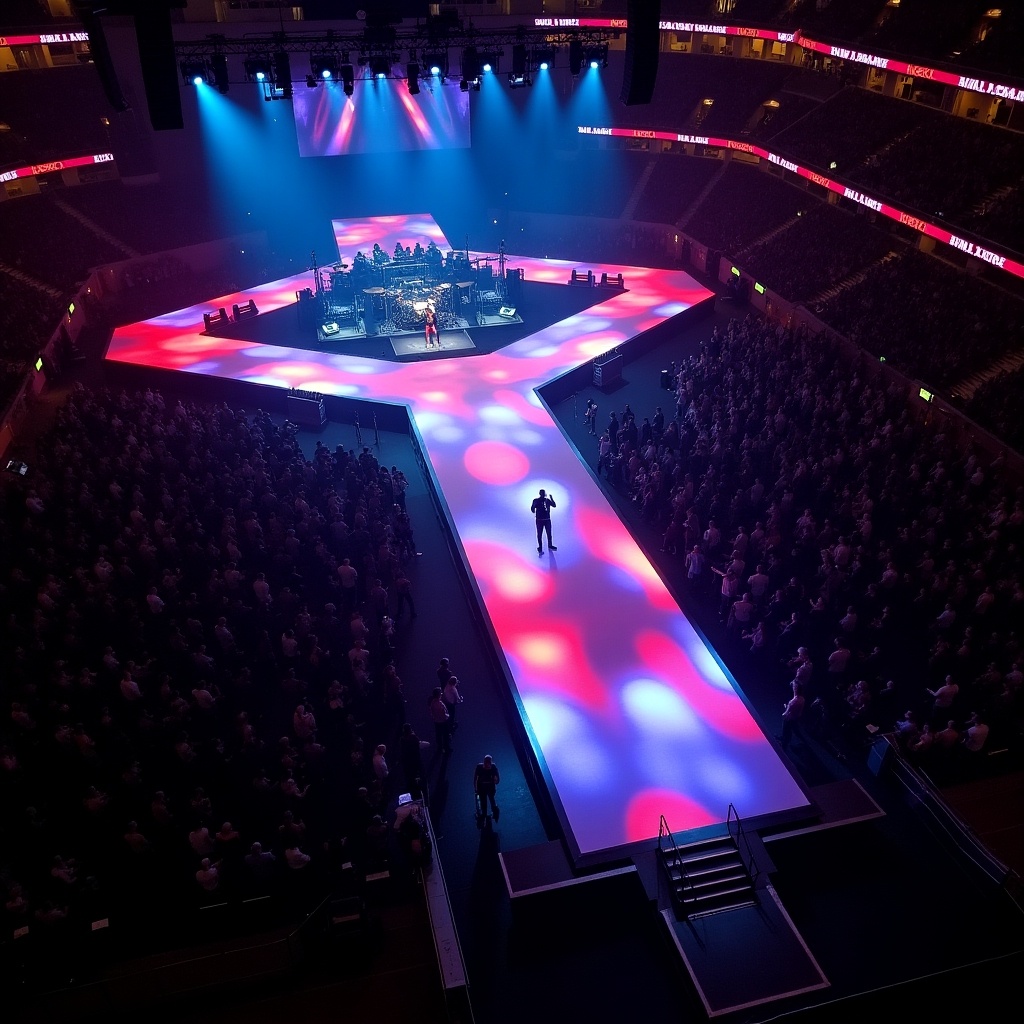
296 859
208 876
977 734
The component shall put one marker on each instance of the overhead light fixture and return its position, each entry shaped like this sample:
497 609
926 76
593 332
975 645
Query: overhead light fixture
412 77
193 71
519 59
219 65
575 57
490 62
543 59
283 73
472 67
380 66
348 78
597 56
258 69
325 66
436 62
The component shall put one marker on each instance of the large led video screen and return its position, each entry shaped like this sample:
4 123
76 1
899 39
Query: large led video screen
381 116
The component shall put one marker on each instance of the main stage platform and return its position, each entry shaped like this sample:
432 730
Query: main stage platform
630 715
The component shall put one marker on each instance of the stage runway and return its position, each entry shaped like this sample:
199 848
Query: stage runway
630 715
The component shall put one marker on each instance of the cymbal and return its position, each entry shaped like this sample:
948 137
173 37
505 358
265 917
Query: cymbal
373 291
463 284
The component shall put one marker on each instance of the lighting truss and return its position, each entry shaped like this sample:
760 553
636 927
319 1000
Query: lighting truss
531 49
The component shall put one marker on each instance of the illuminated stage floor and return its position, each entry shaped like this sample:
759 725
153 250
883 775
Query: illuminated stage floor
630 715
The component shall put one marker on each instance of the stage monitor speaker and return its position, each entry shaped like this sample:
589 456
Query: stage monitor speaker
369 317
514 285
643 40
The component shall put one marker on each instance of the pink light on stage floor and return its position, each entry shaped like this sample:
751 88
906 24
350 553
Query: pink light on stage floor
629 713
496 463
509 575
680 812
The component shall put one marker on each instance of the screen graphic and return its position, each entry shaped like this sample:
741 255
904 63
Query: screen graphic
380 117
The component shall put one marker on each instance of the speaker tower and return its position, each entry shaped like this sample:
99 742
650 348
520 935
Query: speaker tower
643 40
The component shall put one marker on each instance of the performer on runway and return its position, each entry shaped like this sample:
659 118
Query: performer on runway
541 508
433 341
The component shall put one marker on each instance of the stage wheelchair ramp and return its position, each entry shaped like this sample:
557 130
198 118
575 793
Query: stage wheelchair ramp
709 889
726 921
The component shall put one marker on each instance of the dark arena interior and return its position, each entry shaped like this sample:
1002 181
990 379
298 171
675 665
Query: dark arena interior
635 383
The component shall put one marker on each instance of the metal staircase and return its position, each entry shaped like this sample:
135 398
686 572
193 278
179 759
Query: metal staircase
708 876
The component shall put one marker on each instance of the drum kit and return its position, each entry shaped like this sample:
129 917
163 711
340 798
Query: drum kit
411 302
402 306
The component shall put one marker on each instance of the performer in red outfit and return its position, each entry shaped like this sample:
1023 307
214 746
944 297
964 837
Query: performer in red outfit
433 341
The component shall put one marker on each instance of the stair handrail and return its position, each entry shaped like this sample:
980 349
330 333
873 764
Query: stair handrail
742 843
664 830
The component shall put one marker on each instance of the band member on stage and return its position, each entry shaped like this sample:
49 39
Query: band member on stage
433 341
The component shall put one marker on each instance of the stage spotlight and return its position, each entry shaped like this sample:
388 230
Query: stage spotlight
575 57
348 78
311 82
193 71
219 64
380 67
437 62
325 66
543 59
597 56
258 69
412 75
490 62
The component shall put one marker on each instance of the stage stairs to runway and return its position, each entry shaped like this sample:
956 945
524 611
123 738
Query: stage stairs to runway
705 876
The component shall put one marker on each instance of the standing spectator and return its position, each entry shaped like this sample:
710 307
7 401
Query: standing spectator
403 588
380 765
208 876
452 697
348 577
977 734
411 748
485 785
695 565
440 717
792 712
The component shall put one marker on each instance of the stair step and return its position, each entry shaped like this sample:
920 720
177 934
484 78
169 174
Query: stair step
731 905
699 856
706 897
707 875
726 883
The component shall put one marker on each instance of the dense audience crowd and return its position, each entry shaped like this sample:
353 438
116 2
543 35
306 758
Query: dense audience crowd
199 624
821 249
932 321
996 406
41 125
743 206
839 134
873 563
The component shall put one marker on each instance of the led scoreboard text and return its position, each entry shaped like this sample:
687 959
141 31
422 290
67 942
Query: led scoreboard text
996 259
